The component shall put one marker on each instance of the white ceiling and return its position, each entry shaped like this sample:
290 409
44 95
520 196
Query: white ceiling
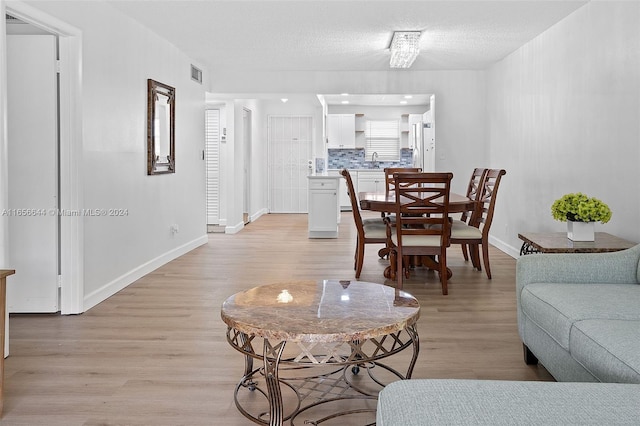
337 35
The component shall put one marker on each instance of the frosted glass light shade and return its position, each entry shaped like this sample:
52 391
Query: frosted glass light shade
405 46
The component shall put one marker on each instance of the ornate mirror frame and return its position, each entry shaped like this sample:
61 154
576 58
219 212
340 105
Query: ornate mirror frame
161 106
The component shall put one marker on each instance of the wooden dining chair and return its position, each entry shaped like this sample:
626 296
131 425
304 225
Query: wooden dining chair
372 231
474 191
476 231
389 183
388 175
422 225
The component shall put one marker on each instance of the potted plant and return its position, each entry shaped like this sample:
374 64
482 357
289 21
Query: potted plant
580 212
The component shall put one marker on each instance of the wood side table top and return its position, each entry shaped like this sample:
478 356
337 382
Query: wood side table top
557 242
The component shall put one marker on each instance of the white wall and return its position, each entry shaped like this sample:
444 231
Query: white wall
119 56
564 116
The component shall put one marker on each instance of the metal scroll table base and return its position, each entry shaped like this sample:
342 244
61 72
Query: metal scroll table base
314 383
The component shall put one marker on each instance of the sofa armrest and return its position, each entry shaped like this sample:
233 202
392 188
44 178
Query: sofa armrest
619 267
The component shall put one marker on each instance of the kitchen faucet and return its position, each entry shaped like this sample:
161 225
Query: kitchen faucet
374 160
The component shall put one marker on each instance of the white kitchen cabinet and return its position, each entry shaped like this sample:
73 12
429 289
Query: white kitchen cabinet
371 181
343 196
341 130
324 213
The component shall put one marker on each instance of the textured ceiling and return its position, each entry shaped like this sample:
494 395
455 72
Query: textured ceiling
344 35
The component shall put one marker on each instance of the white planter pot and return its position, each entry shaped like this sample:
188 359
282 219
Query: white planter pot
580 231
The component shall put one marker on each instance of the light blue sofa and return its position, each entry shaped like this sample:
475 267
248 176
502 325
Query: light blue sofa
421 402
579 314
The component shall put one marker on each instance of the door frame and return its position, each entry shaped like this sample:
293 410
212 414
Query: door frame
247 138
70 116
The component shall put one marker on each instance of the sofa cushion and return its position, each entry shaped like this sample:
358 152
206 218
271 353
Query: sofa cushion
555 307
494 402
608 349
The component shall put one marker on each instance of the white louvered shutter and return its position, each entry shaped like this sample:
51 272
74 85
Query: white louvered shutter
383 137
212 154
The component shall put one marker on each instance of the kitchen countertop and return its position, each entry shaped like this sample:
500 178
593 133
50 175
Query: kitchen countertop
323 175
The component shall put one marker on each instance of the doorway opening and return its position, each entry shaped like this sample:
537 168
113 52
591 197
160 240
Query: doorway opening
33 169
69 133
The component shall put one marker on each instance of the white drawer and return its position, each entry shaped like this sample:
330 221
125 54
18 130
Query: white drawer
323 183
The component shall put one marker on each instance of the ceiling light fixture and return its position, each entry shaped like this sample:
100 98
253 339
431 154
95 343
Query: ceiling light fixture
405 46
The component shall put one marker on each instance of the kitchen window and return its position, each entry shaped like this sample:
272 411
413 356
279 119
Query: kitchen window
382 137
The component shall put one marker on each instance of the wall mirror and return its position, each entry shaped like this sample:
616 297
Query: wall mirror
160 128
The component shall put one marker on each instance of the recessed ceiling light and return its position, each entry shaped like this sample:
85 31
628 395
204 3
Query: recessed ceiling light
403 102
344 94
344 102
284 100
408 96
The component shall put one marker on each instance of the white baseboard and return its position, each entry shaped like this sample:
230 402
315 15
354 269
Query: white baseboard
257 215
510 250
234 229
123 281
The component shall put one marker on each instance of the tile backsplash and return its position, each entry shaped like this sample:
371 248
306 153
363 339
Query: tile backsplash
355 159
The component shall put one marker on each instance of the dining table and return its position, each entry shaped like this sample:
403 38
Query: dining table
385 202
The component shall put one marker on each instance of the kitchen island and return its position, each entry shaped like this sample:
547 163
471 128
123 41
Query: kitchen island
324 211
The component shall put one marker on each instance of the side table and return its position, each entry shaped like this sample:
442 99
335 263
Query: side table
557 242
319 343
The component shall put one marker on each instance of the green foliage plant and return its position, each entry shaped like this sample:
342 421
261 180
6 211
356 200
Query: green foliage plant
580 208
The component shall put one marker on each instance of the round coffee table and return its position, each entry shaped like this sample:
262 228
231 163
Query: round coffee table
334 330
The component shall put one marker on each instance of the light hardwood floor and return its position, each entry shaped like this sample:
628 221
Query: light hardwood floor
156 352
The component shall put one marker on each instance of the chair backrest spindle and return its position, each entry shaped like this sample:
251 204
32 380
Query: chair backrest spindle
487 200
474 191
389 172
422 204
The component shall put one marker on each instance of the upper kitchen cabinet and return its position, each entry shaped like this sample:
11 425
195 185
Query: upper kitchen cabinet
341 130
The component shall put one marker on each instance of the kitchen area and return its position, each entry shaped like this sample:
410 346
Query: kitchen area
366 134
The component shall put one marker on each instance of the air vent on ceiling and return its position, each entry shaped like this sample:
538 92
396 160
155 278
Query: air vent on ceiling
12 20
196 74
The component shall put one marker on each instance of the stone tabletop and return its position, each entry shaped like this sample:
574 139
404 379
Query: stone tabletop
557 242
320 311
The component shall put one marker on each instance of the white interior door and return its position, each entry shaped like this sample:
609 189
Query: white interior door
290 142
32 99
212 154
